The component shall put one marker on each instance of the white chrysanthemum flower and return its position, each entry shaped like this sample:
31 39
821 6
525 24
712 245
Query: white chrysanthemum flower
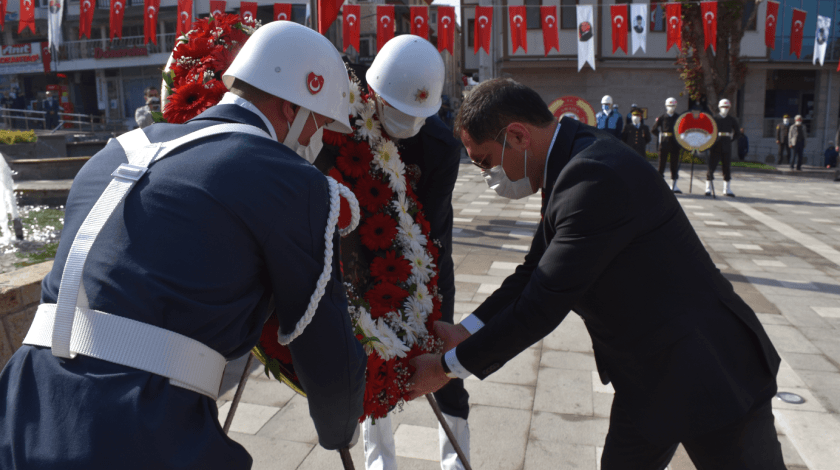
396 176
355 97
401 206
412 238
368 127
393 344
423 297
414 310
369 330
385 155
421 266
411 333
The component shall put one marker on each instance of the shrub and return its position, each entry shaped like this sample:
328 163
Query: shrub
17 137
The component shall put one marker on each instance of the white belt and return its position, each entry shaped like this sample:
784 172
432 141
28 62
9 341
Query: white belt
186 362
724 134
69 327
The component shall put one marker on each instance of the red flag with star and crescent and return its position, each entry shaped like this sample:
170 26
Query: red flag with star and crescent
420 21
619 27
2 14
85 17
248 12
797 26
327 13
518 17
117 14
446 29
709 12
483 29
282 12
770 24
673 19
350 27
184 17
217 7
27 16
150 21
384 25
548 15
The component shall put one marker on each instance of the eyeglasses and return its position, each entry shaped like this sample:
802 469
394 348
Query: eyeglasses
484 163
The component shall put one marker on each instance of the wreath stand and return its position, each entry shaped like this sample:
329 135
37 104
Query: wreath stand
696 154
345 452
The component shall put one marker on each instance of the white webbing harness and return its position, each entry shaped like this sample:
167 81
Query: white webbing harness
70 327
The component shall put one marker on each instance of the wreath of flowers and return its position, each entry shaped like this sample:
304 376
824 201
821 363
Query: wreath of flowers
393 313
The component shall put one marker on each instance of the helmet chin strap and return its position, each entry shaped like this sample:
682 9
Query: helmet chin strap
296 128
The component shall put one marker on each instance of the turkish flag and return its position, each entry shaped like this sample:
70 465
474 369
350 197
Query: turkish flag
709 11
549 28
46 56
217 7
446 29
518 16
117 14
770 24
27 16
184 17
85 17
3 14
796 26
150 16
350 28
420 22
248 12
384 25
619 27
328 12
282 12
673 20
483 29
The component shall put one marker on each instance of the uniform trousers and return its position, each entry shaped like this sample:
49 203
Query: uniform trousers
669 149
784 153
796 158
720 152
748 443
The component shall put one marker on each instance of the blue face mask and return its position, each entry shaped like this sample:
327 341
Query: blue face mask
606 108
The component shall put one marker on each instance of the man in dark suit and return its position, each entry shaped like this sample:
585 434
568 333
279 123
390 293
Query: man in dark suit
782 131
636 134
52 108
688 359
213 236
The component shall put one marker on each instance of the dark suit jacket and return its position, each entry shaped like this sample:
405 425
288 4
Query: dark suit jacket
198 247
683 351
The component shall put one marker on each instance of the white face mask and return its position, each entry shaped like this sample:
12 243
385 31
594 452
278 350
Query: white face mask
498 180
316 142
670 109
786 121
636 120
724 112
398 124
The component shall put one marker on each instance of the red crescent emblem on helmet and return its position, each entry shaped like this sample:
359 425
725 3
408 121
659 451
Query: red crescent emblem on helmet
314 83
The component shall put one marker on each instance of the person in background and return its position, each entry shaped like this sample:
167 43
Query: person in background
629 117
782 131
743 145
51 107
636 134
796 141
143 115
609 119
663 128
831 156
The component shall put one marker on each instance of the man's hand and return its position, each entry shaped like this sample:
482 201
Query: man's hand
452 335
428 376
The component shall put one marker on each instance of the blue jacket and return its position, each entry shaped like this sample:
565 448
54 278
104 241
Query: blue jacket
200 246
612 122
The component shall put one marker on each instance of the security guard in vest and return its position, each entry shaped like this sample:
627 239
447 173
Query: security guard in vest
609 119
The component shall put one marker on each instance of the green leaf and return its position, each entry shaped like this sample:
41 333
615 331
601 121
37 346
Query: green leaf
157 116
167 77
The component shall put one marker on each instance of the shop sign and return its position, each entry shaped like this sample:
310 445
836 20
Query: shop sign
20 58
100 53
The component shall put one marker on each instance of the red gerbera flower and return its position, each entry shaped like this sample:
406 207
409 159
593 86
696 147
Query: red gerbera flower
385 298
191 99
424 224
372 194
344 214
354 159
378 232
334 138
268 341
391 268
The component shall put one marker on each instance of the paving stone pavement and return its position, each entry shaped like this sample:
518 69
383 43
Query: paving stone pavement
778 242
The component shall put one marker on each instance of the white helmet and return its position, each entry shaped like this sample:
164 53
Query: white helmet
607 99
295 63
671 102
408 73
724 103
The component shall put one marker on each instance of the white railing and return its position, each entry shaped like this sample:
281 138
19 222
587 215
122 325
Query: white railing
131 45
32 119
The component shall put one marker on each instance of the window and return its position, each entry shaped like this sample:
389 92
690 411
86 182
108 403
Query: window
749 7
657 17
299 14
364 47
568 14
533 13
433 17
470 33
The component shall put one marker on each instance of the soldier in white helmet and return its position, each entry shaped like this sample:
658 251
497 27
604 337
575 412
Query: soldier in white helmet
225 222
721 151
663 128
406 82
609 119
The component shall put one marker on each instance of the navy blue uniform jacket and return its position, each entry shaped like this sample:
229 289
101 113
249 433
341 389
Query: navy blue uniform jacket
199 247
683 351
